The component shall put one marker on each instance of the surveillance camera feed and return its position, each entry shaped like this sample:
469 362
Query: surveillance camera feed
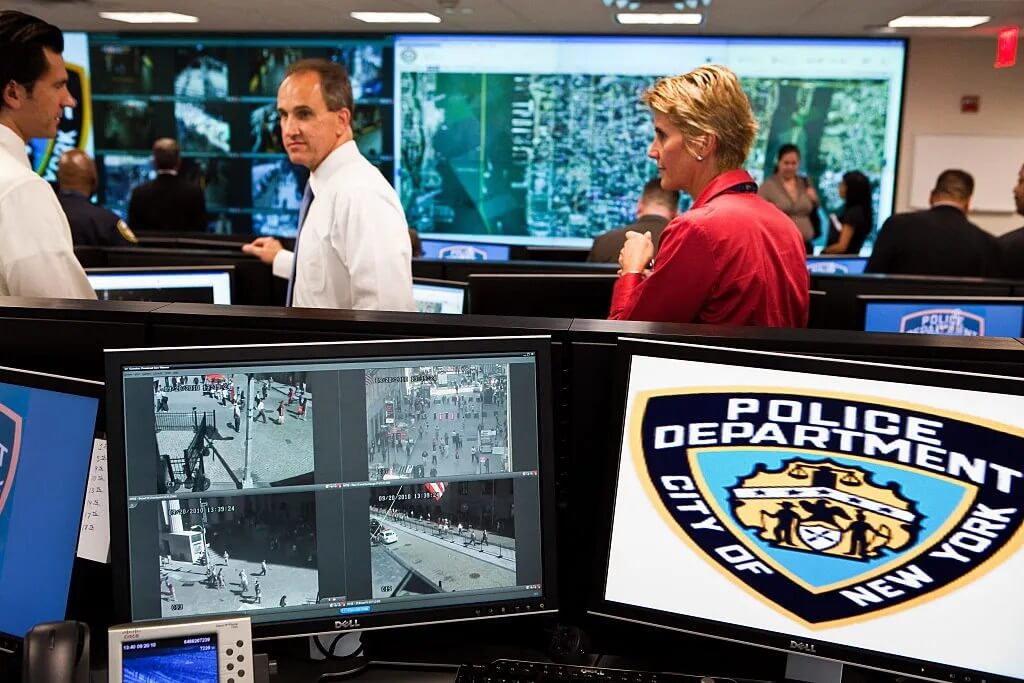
296 490
544 140
217 98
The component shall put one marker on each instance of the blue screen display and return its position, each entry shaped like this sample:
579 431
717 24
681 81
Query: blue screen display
946 317
465 251
191 659
45 445
837 266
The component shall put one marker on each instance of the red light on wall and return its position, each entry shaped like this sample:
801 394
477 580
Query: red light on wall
1006 47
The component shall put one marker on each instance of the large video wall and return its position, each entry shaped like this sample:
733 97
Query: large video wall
218 99
512 139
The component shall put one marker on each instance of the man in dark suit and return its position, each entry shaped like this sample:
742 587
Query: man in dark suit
1012 243
653 212
90 224
939 241
169 202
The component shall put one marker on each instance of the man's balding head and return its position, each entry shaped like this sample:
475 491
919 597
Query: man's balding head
954 187
76 172
166 154
658 201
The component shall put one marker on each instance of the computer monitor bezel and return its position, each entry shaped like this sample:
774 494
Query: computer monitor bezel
172 270
604 502
864 300
73 386
448 284
822 258
198 356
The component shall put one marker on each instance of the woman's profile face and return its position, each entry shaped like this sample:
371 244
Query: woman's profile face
669 152
842 190
789 164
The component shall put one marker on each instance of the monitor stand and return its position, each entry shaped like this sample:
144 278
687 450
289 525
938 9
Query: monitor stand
346 654
812 669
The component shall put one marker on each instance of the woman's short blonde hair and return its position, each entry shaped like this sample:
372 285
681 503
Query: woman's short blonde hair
708 101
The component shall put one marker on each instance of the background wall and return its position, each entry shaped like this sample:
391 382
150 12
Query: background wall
939 72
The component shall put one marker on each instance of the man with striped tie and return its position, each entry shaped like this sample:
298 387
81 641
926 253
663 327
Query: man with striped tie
352 250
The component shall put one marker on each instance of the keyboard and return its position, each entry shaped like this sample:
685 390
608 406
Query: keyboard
519 671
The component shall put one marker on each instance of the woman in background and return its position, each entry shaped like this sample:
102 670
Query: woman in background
855 221
792 193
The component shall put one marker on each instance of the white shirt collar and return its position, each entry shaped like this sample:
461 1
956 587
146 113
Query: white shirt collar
337 159
14 145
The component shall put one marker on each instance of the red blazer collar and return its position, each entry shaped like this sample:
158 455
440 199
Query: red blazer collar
722 182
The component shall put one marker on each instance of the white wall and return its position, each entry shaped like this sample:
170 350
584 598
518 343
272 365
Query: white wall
939 72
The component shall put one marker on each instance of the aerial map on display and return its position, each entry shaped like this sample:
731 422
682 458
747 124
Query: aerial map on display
564 155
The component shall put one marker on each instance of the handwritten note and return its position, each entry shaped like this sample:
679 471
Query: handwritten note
94 534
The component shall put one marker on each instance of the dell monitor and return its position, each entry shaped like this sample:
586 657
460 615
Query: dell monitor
47 426
836 265
956 316
465 251
184 284
325 487
438 296
859 512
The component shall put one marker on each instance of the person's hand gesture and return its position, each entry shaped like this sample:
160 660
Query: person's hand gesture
637 252
263 248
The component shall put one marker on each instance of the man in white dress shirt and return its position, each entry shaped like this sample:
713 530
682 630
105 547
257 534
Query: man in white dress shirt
353 248
36 254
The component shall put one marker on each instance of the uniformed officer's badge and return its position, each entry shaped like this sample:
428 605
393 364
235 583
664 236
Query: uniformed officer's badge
10 445
126 232
948 321
829 507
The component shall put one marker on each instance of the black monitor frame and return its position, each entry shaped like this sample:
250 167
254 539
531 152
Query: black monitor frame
450 284
539 346
864 299
9 642
157 270
834 655
548 294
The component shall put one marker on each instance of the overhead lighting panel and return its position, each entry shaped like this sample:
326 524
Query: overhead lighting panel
909 21
397 17
150 17
685 18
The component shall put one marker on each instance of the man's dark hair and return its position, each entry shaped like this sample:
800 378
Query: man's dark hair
653 194
955 184
22 42
166 154
334 82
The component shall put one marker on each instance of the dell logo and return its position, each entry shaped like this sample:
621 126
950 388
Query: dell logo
801 647
346 624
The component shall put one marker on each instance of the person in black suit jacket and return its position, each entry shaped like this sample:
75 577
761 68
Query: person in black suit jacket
169 202
940 240
653 212
90 224
1012 243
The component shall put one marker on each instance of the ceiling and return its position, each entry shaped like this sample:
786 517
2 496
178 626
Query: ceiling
736 17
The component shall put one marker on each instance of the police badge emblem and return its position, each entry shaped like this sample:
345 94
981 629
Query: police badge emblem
828 507
10 446
948 321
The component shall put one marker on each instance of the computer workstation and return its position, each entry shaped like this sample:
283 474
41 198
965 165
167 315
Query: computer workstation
956 316
438 296
416 486
185 284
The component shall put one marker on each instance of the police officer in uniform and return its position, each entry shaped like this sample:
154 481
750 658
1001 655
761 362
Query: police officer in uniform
90 224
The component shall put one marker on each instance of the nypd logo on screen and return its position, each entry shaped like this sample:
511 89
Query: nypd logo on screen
10 444
832 508
948 321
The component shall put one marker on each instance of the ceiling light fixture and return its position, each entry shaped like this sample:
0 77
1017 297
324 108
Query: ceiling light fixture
687 18
396 17
910 21
150 17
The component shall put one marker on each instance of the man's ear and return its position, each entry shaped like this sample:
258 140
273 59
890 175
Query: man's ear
344 120
14 94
